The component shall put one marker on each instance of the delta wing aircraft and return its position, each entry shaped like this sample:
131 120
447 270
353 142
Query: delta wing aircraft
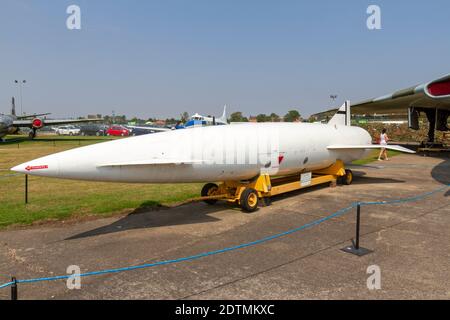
431 98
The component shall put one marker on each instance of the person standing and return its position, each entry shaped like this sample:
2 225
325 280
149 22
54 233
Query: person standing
383 141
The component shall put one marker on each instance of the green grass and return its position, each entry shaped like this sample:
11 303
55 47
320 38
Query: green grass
373 156
56 199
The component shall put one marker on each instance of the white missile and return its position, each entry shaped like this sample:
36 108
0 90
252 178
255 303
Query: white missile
215 153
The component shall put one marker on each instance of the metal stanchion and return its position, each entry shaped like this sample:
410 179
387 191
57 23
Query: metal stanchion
26 189
358 224
14 288
355 248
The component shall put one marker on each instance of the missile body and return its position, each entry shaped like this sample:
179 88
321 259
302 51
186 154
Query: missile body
214 153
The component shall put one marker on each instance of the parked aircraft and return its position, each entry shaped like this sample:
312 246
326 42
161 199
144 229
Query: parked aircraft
431 98
197 120
11 124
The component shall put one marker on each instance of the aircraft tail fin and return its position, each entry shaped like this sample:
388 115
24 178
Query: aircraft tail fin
13 106
342 116
224 114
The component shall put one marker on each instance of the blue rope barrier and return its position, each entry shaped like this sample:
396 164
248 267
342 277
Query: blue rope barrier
403 200
244 245
6 285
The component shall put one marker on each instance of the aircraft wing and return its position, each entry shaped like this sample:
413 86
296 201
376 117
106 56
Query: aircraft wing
159 129
434 94
32 115
52 122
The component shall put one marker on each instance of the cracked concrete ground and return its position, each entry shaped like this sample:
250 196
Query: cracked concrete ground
411 243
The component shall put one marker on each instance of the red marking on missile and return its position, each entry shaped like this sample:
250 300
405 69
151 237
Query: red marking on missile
280 158
29 168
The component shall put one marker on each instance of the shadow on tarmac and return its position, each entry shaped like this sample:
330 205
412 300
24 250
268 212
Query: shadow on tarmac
441 172
361 178
145 217
153 215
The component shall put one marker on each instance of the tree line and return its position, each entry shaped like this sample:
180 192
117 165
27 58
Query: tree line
290 116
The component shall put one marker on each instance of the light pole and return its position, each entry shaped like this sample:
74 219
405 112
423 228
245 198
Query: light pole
20 83
333 97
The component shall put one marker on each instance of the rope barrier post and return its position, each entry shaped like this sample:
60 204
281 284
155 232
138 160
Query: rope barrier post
14 288
355 248
358 224
26 189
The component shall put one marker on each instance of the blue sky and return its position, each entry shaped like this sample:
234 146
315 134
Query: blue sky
160 58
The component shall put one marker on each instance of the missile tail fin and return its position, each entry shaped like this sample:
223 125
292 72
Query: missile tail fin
369 146
342 116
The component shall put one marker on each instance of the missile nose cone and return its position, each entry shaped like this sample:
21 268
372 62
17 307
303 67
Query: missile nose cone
20 168
45 166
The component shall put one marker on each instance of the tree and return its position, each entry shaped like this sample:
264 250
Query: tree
120 119
292 115
170 121
237 117
274 117
262 118
107 119
312 119
184 116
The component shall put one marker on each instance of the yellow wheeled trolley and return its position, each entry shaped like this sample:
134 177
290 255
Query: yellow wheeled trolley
247 194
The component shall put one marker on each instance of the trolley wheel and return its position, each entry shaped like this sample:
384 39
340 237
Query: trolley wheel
249 200
209 189
348 178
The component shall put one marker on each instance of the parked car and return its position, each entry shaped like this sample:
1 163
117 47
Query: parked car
93 130
67 131
117 131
